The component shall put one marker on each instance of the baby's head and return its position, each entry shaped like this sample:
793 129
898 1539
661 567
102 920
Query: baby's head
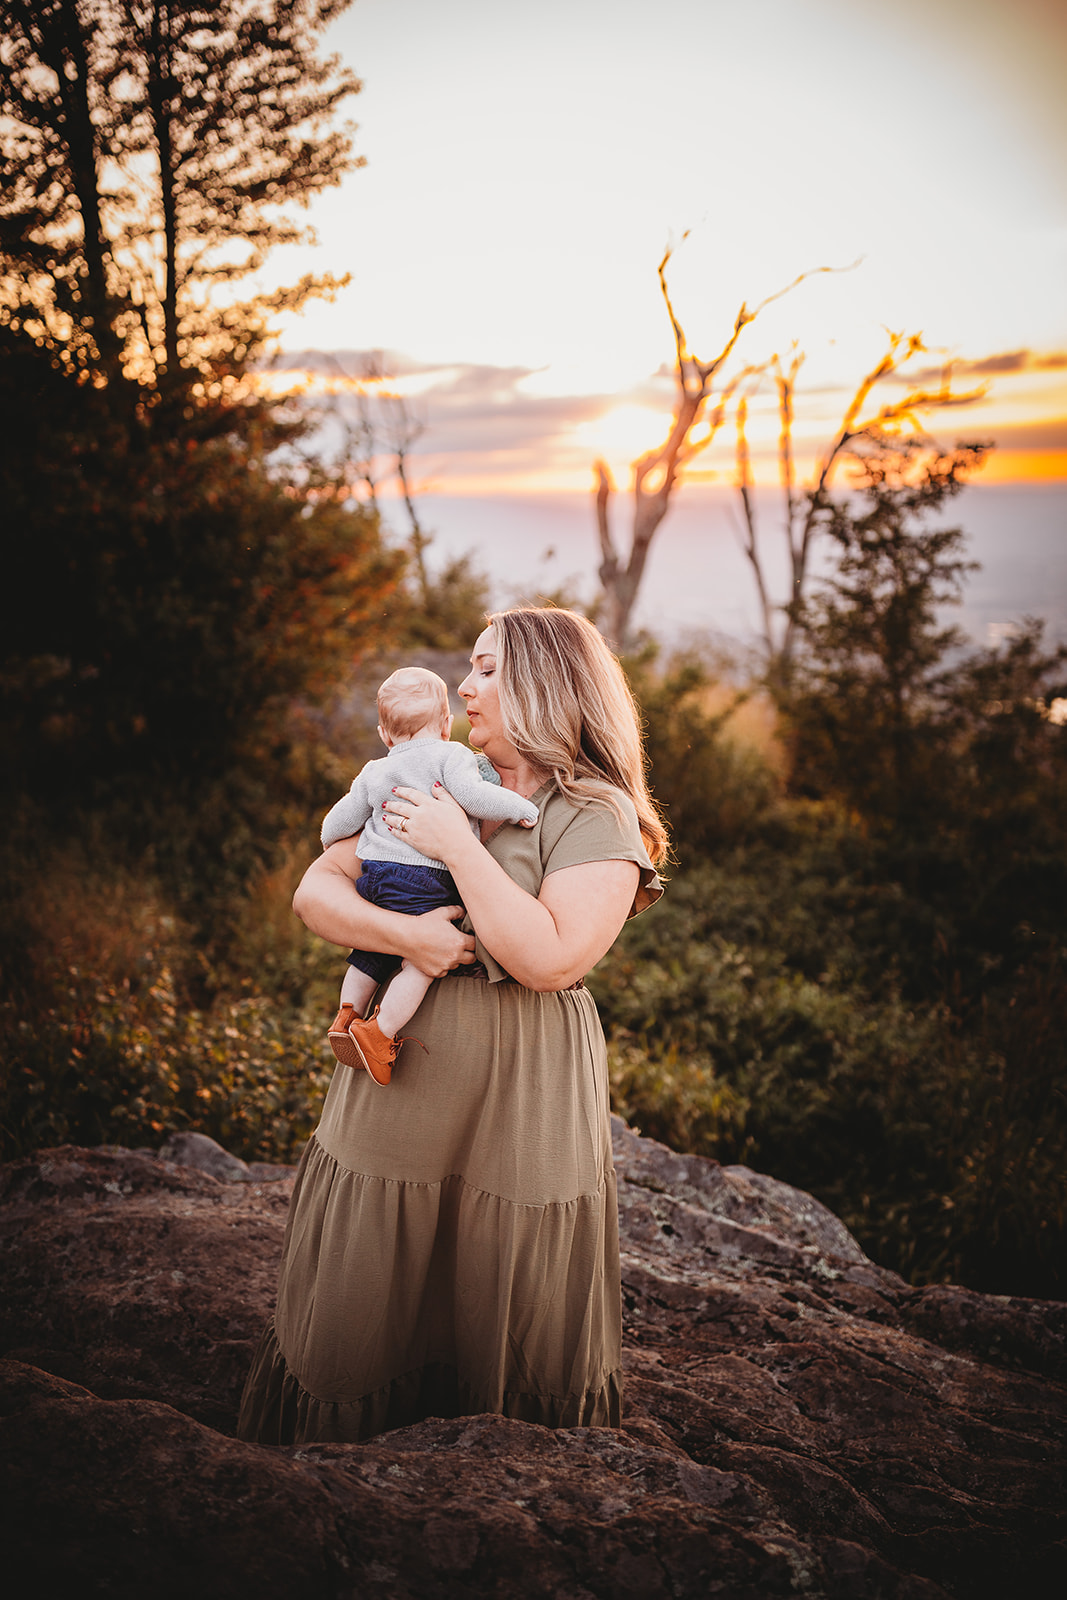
413 704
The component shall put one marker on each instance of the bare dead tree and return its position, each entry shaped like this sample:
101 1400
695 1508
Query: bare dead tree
401 432
746 490
357 468
362 434
658 473
378 433
804 512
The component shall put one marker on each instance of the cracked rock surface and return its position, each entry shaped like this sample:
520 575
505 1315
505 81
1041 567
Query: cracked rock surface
797 1419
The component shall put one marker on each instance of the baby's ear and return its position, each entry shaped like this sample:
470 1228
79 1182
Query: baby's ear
446 726
385 738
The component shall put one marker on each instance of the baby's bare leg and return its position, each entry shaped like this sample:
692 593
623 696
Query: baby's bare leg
402 998
358 990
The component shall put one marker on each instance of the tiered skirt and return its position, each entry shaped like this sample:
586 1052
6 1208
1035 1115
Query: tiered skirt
452 1244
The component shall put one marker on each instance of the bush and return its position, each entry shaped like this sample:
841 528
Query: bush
175 592
101 1043
757 1015
713 785
877 1019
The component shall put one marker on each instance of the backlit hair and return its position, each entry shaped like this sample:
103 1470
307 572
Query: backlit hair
568 710
411 698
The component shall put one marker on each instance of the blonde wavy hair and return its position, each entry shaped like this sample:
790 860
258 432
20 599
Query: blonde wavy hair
567 708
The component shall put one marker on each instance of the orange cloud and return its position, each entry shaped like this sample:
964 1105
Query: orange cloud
485 433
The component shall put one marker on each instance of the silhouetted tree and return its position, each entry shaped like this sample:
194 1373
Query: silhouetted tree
867 705
58 63
888 429
166 596
173 581
152 151
888 708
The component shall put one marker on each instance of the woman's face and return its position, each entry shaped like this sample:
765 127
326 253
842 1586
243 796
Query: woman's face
480 692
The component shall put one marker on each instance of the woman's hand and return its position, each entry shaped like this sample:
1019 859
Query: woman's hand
433 823
435 945
546 943
328 903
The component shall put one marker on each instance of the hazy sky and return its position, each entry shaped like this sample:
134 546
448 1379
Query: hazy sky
528 163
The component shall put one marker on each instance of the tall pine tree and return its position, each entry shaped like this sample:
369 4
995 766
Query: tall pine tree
153 152
170 588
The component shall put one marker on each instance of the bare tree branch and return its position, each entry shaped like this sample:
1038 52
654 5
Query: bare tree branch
657 473
803 515
750 542
609 560
786 381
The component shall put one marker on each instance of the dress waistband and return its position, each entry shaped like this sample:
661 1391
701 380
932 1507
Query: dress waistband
477 969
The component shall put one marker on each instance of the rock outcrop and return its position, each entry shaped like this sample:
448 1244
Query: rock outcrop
799 1421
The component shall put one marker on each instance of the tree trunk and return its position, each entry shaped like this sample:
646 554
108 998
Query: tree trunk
63 47
160 94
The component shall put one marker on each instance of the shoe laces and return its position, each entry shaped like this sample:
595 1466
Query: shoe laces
407 1038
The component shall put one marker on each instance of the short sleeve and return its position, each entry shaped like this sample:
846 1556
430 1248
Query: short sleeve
568 835
572 836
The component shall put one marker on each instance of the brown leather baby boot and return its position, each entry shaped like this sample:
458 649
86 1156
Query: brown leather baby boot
376 1050
341 1042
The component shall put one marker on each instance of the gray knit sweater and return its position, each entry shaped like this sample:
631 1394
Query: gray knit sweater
418 764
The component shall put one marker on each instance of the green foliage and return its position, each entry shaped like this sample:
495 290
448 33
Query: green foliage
172 594
104 1066
444 610
712 786
950 760
869 1005
101 1044
887 715
756 1016
864 695
676 1098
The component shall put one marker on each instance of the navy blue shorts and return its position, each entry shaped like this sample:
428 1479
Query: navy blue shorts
403 886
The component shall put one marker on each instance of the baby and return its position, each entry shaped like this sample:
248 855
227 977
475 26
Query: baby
414 725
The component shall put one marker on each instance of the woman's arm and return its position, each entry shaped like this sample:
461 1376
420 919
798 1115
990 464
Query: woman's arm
545 943
327 902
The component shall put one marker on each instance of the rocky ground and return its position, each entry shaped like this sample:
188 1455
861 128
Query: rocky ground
798 1421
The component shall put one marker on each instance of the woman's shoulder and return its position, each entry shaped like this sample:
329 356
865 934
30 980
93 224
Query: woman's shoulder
575 831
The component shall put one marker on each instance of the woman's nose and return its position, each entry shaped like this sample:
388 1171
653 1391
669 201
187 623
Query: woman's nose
465 691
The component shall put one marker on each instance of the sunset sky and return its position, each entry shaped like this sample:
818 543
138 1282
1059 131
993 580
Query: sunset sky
528 164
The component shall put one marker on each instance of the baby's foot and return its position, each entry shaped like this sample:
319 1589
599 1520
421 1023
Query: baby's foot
341 1040
376 1050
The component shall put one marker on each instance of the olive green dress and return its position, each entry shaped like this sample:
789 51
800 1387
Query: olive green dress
452 1244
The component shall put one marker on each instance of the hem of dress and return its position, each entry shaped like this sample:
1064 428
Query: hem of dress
277 1410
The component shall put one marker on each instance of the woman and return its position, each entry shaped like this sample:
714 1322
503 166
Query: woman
452 1244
